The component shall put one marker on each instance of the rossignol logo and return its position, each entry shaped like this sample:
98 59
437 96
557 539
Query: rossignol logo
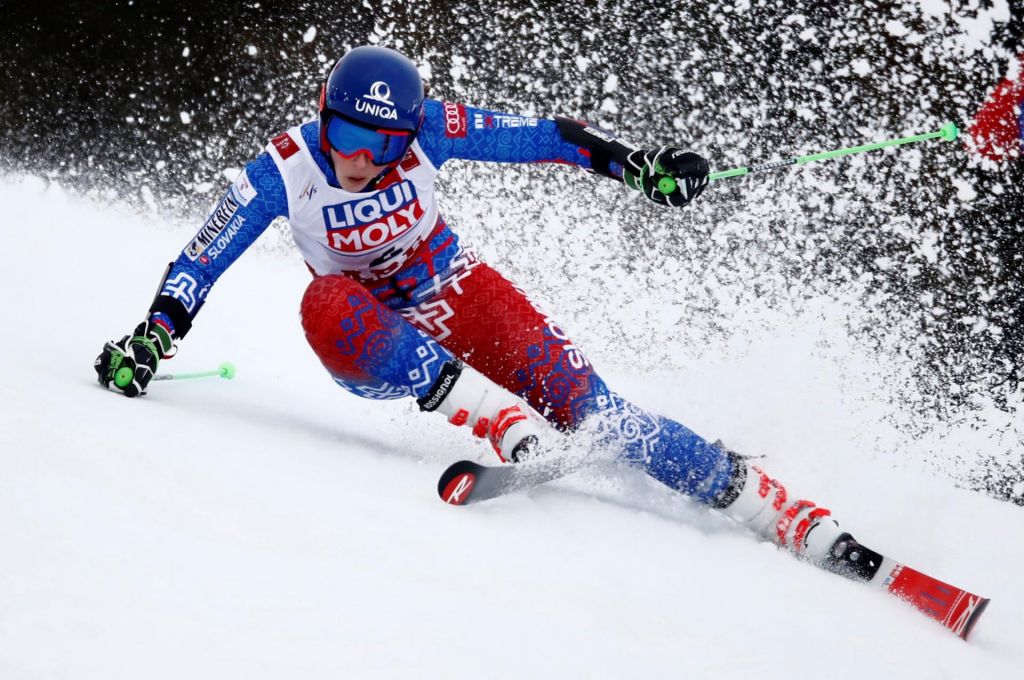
450 372
442 392
458 489
363 225
577 359
380 92
959 624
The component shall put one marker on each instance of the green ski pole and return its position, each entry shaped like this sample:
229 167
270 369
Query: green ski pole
225 370
947 132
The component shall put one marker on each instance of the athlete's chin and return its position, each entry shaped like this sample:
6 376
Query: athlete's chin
354 184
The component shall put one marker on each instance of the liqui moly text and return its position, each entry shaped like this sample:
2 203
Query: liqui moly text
366 224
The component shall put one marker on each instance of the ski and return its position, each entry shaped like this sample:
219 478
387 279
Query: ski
467 482
955 608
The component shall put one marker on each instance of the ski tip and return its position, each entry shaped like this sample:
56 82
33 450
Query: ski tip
457 483
973 619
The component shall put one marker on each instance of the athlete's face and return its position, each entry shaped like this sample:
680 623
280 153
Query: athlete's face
356 172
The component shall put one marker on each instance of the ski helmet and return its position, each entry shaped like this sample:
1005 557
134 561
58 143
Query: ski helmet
373 102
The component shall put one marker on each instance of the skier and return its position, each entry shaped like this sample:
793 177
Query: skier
397 307
998 128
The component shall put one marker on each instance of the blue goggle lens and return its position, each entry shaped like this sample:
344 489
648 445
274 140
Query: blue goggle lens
383 146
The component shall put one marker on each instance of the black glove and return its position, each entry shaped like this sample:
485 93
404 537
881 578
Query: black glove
129 363
669 176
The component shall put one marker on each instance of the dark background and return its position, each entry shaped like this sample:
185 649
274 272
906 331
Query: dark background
163 97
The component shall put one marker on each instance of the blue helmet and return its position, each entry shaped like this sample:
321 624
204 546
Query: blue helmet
377 89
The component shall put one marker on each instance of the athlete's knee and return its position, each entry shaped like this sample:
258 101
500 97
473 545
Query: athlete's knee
366 347
328 299
343 323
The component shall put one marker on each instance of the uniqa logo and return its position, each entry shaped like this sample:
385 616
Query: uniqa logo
381 92
378 110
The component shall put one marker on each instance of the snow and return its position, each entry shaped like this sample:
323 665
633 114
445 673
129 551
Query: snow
275 526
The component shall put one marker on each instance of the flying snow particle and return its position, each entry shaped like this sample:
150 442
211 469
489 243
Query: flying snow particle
310 35
185 117
185 52
251 49
896 28
965 190
611 83
933 8
860 66
718 78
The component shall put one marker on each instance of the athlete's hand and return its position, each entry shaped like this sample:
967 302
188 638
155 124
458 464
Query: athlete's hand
129 364
669 176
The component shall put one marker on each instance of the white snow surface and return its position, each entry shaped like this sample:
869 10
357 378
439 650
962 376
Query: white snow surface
275 526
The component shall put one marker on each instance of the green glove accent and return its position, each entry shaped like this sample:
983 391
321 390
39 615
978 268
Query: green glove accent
631 180
148 344
163 340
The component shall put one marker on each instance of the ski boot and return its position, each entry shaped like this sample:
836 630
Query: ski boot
764 505
466 397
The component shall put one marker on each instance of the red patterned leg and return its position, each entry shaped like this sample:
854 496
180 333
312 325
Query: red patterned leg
366 347
995 129
483 319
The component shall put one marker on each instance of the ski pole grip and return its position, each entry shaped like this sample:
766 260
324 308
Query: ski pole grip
123 377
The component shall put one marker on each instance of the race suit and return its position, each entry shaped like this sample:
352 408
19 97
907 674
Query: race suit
395 295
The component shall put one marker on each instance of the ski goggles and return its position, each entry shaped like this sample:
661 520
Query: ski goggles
383 146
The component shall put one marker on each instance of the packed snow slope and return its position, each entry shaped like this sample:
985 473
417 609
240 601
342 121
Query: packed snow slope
275 526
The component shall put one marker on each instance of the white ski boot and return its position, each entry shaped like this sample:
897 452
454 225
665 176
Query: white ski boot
466 397
764 505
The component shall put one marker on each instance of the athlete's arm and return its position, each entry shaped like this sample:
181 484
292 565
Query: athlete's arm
255 199
458 131
469 133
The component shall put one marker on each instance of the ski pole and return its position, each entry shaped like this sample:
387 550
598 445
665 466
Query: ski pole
225 370
947 132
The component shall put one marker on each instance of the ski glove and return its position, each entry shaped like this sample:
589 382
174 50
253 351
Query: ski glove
669 176
129 363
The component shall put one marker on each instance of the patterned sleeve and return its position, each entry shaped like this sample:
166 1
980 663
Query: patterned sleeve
458 131
255 199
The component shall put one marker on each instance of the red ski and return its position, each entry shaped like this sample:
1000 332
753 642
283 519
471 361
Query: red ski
955 608
958 610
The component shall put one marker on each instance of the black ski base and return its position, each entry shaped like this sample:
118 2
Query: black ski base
467 482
